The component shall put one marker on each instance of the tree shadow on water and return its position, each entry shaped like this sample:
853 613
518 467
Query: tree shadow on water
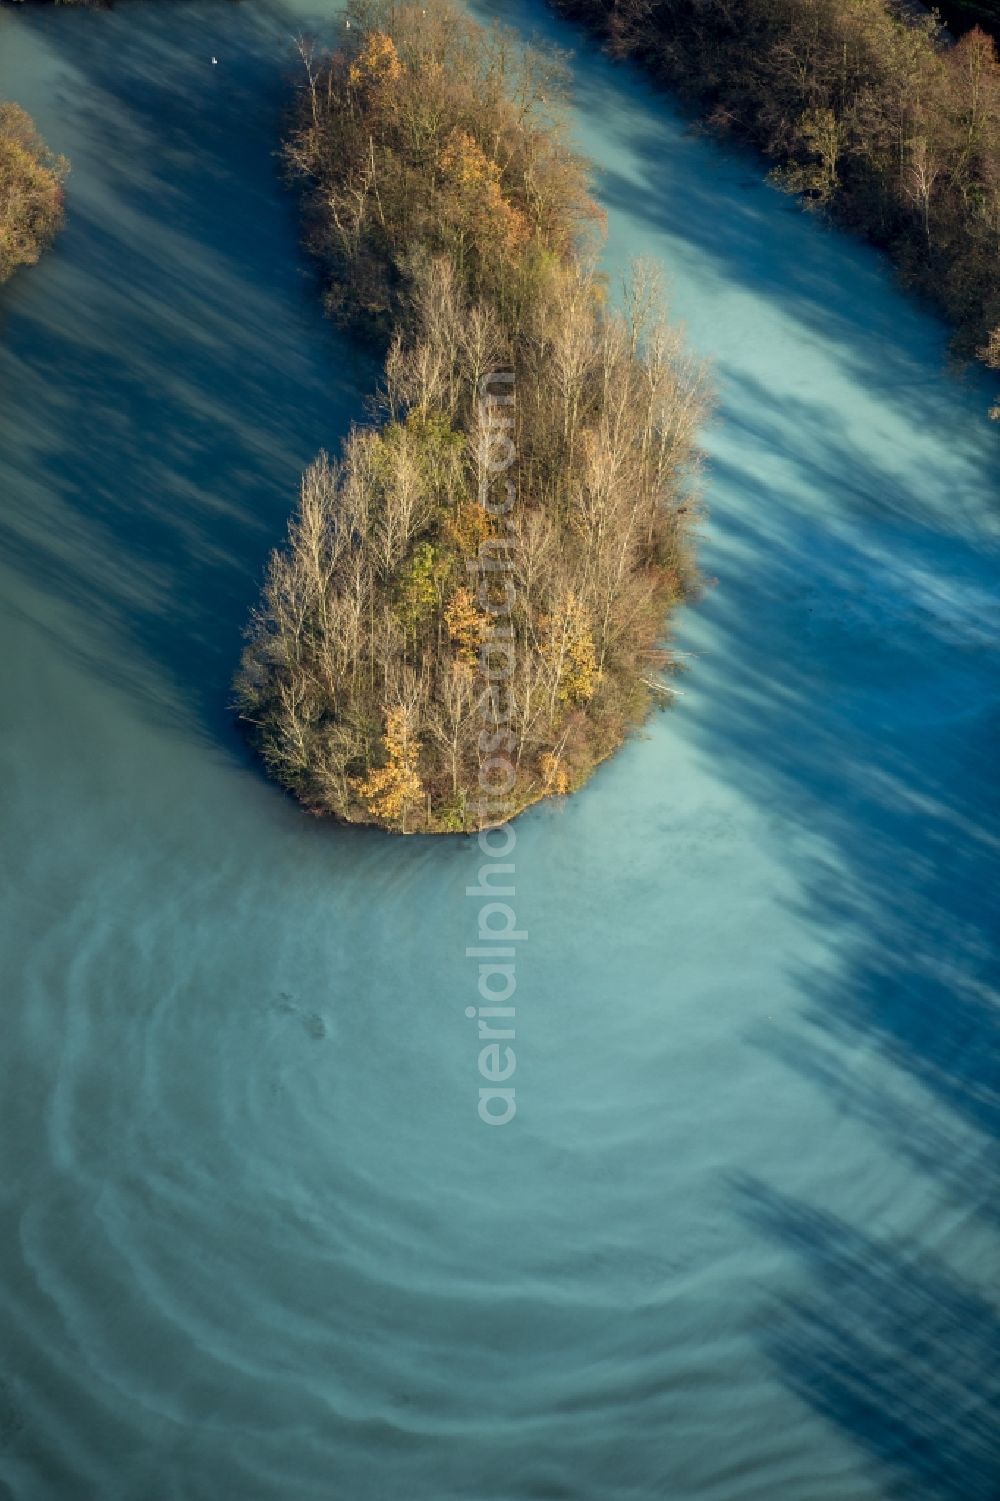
167 369
852 684
848 683
889 1346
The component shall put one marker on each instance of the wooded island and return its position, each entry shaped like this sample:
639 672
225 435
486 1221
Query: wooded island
452 220
871 112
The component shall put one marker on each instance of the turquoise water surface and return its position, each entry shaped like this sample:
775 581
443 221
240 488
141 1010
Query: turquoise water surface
741 1240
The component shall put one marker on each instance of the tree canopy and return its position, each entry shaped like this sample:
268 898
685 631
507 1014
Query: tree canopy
870 111
31 196
488 566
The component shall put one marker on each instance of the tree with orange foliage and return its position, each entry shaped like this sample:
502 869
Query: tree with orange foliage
480 214
31 195
377 65
467 627
389 791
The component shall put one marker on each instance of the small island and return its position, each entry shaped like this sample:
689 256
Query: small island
469 612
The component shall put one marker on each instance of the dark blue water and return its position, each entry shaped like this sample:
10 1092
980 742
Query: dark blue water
740 1241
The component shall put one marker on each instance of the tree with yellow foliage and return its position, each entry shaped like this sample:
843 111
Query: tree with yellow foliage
31 195
389 791
570 650
377 65
554 773
467 627
481 216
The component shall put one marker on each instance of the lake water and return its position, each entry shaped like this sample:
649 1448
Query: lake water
741 1240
